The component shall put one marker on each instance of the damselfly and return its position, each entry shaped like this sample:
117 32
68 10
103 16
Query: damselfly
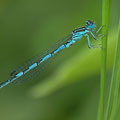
36 63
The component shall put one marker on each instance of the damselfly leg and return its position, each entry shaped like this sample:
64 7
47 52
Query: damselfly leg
98 29
90 44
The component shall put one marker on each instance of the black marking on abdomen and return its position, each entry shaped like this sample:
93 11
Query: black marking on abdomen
52 53
25 70
79 30
13 73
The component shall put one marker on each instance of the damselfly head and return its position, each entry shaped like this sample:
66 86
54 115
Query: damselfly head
90 24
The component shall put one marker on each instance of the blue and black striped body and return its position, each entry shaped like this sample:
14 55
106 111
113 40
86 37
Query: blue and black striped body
73 37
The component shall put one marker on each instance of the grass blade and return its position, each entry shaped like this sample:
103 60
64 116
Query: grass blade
113 97
105 21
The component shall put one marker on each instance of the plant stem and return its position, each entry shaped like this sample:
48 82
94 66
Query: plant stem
106 4
113 97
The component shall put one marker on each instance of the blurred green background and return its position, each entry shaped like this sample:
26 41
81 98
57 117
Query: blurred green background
68 88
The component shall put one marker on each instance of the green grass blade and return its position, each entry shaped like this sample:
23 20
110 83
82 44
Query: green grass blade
105 21
113 97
